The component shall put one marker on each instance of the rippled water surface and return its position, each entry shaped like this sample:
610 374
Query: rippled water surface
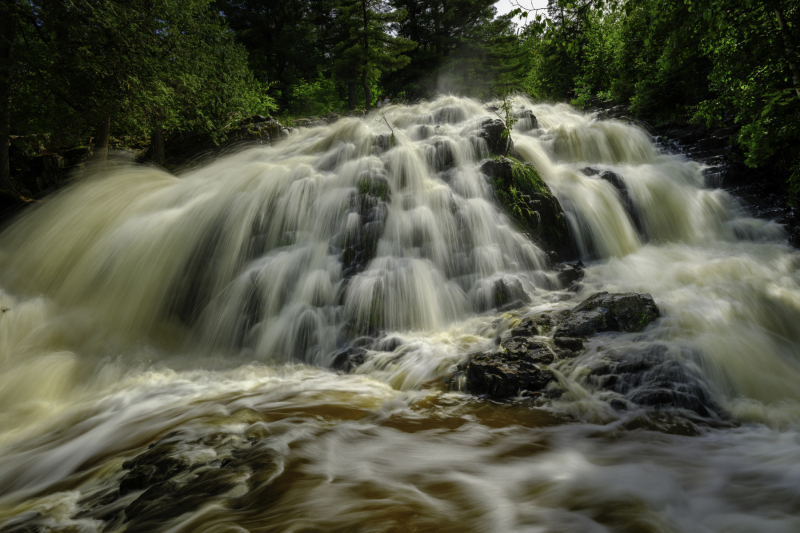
188 324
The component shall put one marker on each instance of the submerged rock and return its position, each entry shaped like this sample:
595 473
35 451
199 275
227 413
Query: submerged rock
528 200
648 377
609 312
348 359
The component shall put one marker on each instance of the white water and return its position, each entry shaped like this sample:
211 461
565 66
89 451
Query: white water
140 303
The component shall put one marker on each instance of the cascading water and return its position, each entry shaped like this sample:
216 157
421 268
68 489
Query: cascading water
198 316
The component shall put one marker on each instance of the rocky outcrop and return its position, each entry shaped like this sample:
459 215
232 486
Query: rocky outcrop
520 365
492 132
603 311
527 199
368 210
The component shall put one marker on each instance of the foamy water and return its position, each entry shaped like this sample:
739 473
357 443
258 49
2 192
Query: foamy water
140 306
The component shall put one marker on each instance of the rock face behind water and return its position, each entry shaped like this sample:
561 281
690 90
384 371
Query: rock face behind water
609 312
527 199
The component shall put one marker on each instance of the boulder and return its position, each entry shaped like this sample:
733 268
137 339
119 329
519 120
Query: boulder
569 273
521 366
348 359
369 206
526 120
609 312
492 132
527 199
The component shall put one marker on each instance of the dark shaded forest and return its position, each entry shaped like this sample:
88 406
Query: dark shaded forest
83 75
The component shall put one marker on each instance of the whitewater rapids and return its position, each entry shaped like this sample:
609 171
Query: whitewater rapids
139 307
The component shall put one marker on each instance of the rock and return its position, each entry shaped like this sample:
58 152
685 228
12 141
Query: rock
589 171
609 312
794 238
528 200
492 132
309 122
648 377
506 290
569 343
449 115
389 344
569 273
526 121
530 326
368 209
503 375
348 359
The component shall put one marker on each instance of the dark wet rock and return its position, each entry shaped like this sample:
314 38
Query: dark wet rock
647 376
309 122
382 142
530 326
442 156
492 132
520 367
348 359
527 199
794 238
603 311
370 205
173 476
572 344
526 120
449 115
507 290
389 344
590 171
365 341
618 405
569 273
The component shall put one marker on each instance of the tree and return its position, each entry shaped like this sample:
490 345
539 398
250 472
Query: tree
368 47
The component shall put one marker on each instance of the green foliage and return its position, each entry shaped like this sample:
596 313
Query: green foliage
168 65
721 61
319 97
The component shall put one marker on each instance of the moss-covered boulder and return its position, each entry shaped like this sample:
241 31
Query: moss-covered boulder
603 311
527 199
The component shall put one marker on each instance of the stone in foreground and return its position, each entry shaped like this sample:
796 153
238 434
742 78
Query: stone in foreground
503 375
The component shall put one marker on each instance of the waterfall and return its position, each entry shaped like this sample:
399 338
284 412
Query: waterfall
141 306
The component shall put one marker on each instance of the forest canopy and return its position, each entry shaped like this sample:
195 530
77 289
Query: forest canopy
83 72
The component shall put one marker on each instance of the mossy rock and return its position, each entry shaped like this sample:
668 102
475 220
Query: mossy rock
603 311
528 200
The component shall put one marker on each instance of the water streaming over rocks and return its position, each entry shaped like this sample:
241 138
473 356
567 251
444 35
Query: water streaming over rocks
282 340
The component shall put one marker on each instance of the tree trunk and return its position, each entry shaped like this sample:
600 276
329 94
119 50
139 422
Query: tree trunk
157 146
101 141
791 51
364 84
7 37
351 96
